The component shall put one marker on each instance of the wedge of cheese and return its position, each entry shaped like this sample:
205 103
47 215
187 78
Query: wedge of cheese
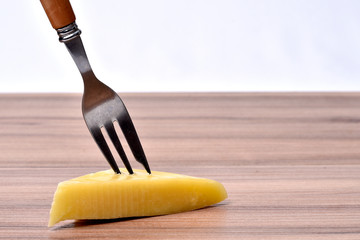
106 195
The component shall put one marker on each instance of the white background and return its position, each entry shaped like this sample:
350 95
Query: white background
187 45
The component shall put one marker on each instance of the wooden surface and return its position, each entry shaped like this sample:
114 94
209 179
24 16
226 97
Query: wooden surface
59 12
290 163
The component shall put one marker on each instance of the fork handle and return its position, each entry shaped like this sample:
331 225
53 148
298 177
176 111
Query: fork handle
59 12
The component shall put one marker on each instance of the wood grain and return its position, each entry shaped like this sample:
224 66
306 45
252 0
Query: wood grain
289 161
59 12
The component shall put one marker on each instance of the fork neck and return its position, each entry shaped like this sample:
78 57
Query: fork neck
70 36
68 32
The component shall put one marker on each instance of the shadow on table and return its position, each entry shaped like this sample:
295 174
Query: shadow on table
92 222
71 224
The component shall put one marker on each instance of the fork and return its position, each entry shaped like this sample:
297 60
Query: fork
101 106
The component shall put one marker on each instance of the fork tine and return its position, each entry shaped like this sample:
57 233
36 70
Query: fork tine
133 140
101 142
109 126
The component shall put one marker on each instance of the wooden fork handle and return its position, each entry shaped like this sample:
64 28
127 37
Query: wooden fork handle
59 12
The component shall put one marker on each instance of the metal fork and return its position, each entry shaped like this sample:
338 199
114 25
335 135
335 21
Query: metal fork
101 106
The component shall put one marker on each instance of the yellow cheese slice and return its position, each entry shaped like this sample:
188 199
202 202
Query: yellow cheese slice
106 195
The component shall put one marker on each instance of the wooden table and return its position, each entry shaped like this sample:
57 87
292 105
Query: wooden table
289 161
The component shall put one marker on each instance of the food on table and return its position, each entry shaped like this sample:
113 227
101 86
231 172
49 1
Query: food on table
106 195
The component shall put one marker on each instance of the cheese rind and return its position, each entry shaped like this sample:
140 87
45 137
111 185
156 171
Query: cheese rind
106 195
